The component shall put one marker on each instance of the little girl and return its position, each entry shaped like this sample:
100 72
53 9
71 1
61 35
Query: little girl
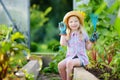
77 41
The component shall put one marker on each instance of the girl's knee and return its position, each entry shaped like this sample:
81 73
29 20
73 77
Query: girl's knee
69 64
60 65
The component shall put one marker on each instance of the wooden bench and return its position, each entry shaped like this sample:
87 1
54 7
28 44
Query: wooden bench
81 74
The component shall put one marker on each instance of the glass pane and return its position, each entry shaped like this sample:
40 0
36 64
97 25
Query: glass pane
19 12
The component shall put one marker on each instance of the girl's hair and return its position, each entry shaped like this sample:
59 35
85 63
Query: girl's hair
80 29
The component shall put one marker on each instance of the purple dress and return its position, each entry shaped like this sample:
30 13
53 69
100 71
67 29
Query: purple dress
76 47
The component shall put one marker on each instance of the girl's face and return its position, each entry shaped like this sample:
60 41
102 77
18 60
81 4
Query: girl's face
73 23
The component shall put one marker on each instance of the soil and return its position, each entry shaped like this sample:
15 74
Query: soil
100 73
49 76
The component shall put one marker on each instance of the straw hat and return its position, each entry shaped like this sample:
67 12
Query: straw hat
79 14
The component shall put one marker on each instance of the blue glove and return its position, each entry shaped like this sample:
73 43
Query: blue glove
62 28
94 37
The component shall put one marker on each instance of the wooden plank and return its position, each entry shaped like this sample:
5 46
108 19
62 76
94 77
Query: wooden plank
32 67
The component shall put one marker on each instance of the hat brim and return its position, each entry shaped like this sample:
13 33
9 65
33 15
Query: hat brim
73 13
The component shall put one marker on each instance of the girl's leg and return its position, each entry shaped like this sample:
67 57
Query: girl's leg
69 67
62 69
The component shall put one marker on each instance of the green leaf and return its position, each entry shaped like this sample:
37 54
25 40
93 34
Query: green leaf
48 10
101 8
113 7
17 35
117 23
6 46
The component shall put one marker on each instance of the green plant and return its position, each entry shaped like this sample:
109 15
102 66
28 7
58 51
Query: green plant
10 47
33 47
116 66
102 56
56 59
28 76
53 45
104 62
38 19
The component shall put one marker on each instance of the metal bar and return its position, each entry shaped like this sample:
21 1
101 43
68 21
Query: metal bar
74 4
9 16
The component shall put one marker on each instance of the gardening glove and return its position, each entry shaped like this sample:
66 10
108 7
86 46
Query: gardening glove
94 37
62 28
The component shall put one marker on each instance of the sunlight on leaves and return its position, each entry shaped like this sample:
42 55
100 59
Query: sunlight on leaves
17 35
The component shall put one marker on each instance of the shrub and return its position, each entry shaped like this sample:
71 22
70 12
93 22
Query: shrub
53 45
33 47
52 68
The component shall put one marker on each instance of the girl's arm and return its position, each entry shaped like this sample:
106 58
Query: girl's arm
88 45
63 40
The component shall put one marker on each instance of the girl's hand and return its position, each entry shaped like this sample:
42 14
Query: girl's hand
62 28
94 37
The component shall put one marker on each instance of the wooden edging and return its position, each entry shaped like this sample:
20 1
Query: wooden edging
32 67
81 74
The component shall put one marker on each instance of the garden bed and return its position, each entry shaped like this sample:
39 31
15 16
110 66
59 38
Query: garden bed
103 73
